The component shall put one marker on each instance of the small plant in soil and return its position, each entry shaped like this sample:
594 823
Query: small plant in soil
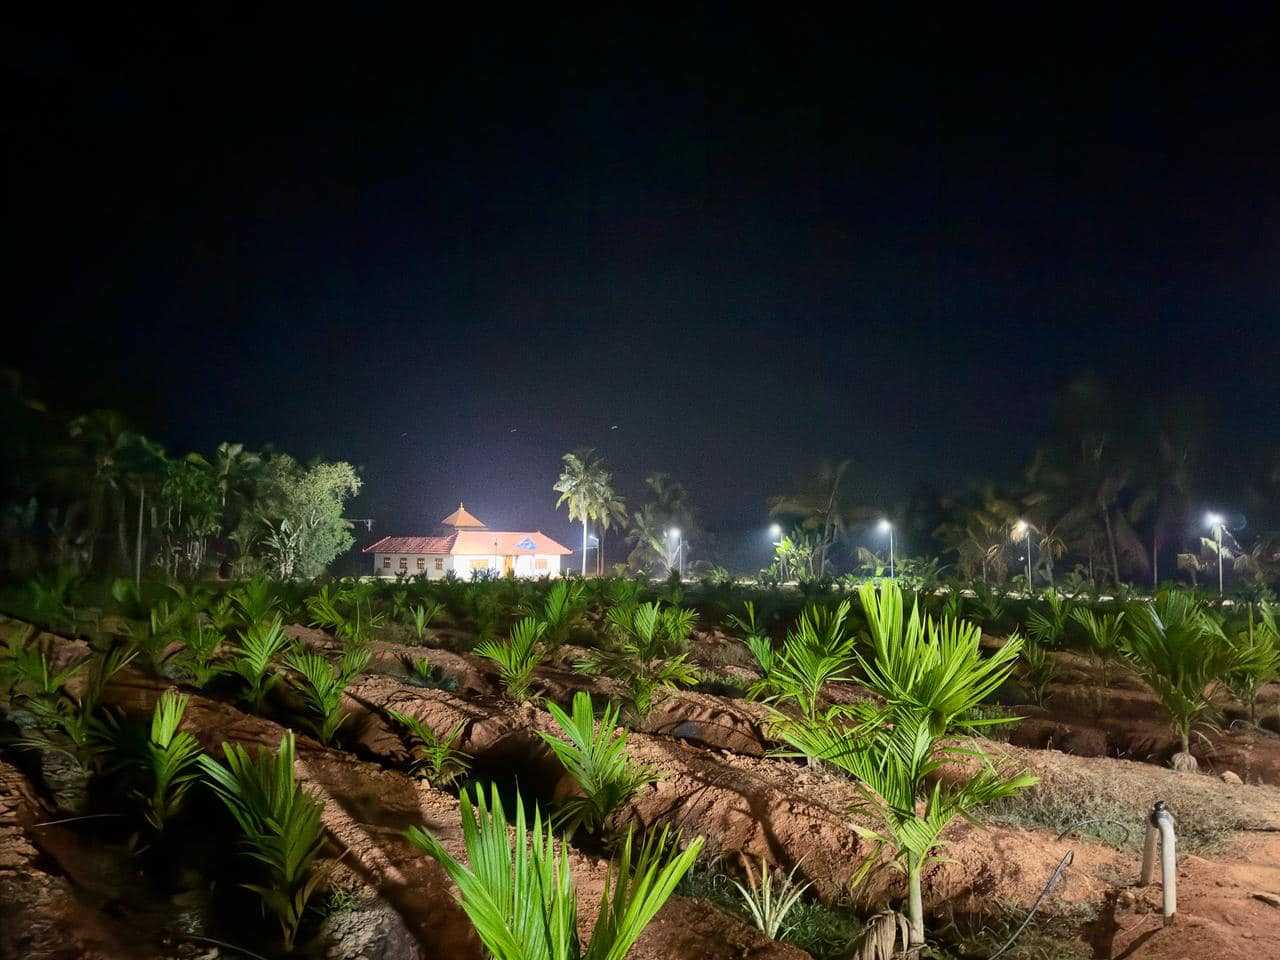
1183 655
437 758
517 657
520 896
197 661
646 650
769 899
323 685
174 759
421 617
254 659
1104 634
1258 651
1046 627
561 610
929 675
817 651
423 674
280 822
761 646
1036 670
595 755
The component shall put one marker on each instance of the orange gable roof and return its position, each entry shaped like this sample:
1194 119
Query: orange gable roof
462 520
410 545
505 543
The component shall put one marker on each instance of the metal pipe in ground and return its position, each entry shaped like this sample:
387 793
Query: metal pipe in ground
1160 828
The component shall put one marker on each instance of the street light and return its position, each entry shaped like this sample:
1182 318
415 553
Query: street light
1022 530
674 534
886 527
1217 522
595 542
775 531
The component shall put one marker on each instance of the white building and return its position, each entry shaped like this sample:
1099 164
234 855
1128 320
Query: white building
464 545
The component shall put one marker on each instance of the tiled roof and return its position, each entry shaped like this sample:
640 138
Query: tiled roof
462 520
505 543
420 545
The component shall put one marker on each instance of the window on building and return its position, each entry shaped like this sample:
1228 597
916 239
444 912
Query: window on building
540 564
404 563
481 564
422 564
439 563
386 563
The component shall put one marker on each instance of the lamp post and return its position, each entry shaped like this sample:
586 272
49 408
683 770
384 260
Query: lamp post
595 543
1216 522
775 531
1022 529
677 556
887 527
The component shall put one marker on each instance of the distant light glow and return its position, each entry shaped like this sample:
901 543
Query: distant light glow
674 533
775 531
1213 519
1020 529
884 526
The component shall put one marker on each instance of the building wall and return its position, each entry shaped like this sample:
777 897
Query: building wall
538 565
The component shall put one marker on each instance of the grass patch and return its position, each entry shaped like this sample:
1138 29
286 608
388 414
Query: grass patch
826 932
1204 827
1057 937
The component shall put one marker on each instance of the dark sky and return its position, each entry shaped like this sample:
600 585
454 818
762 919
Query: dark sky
450 250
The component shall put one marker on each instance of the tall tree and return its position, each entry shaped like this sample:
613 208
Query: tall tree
108 442
818 506
586 486
668 506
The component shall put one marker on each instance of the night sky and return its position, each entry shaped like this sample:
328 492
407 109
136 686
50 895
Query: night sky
726 248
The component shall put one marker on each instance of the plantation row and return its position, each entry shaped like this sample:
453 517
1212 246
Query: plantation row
915 672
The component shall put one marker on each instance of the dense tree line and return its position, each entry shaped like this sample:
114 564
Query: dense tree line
91 492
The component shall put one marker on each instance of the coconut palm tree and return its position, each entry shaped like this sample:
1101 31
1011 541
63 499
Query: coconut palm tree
586 486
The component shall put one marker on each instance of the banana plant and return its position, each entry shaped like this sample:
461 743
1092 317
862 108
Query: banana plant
595 755
517 657
280 822
519 893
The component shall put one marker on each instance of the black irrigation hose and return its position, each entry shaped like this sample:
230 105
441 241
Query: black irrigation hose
222 943
1053 879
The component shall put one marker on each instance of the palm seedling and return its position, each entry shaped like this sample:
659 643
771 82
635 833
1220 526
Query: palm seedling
254 601
197 661
817 651
1037 669
259 646
1258 651
761 646
561 611
280 822
646 649
517 657
323 685
519 893
1183 655
595 755
1047 626
769 900
421 617
930 676
423 673
1105 636
173 757
162 627
437 758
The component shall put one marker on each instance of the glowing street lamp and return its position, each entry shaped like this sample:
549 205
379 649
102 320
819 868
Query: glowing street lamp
1216 522
1022 530
775 531
673 536
886 527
